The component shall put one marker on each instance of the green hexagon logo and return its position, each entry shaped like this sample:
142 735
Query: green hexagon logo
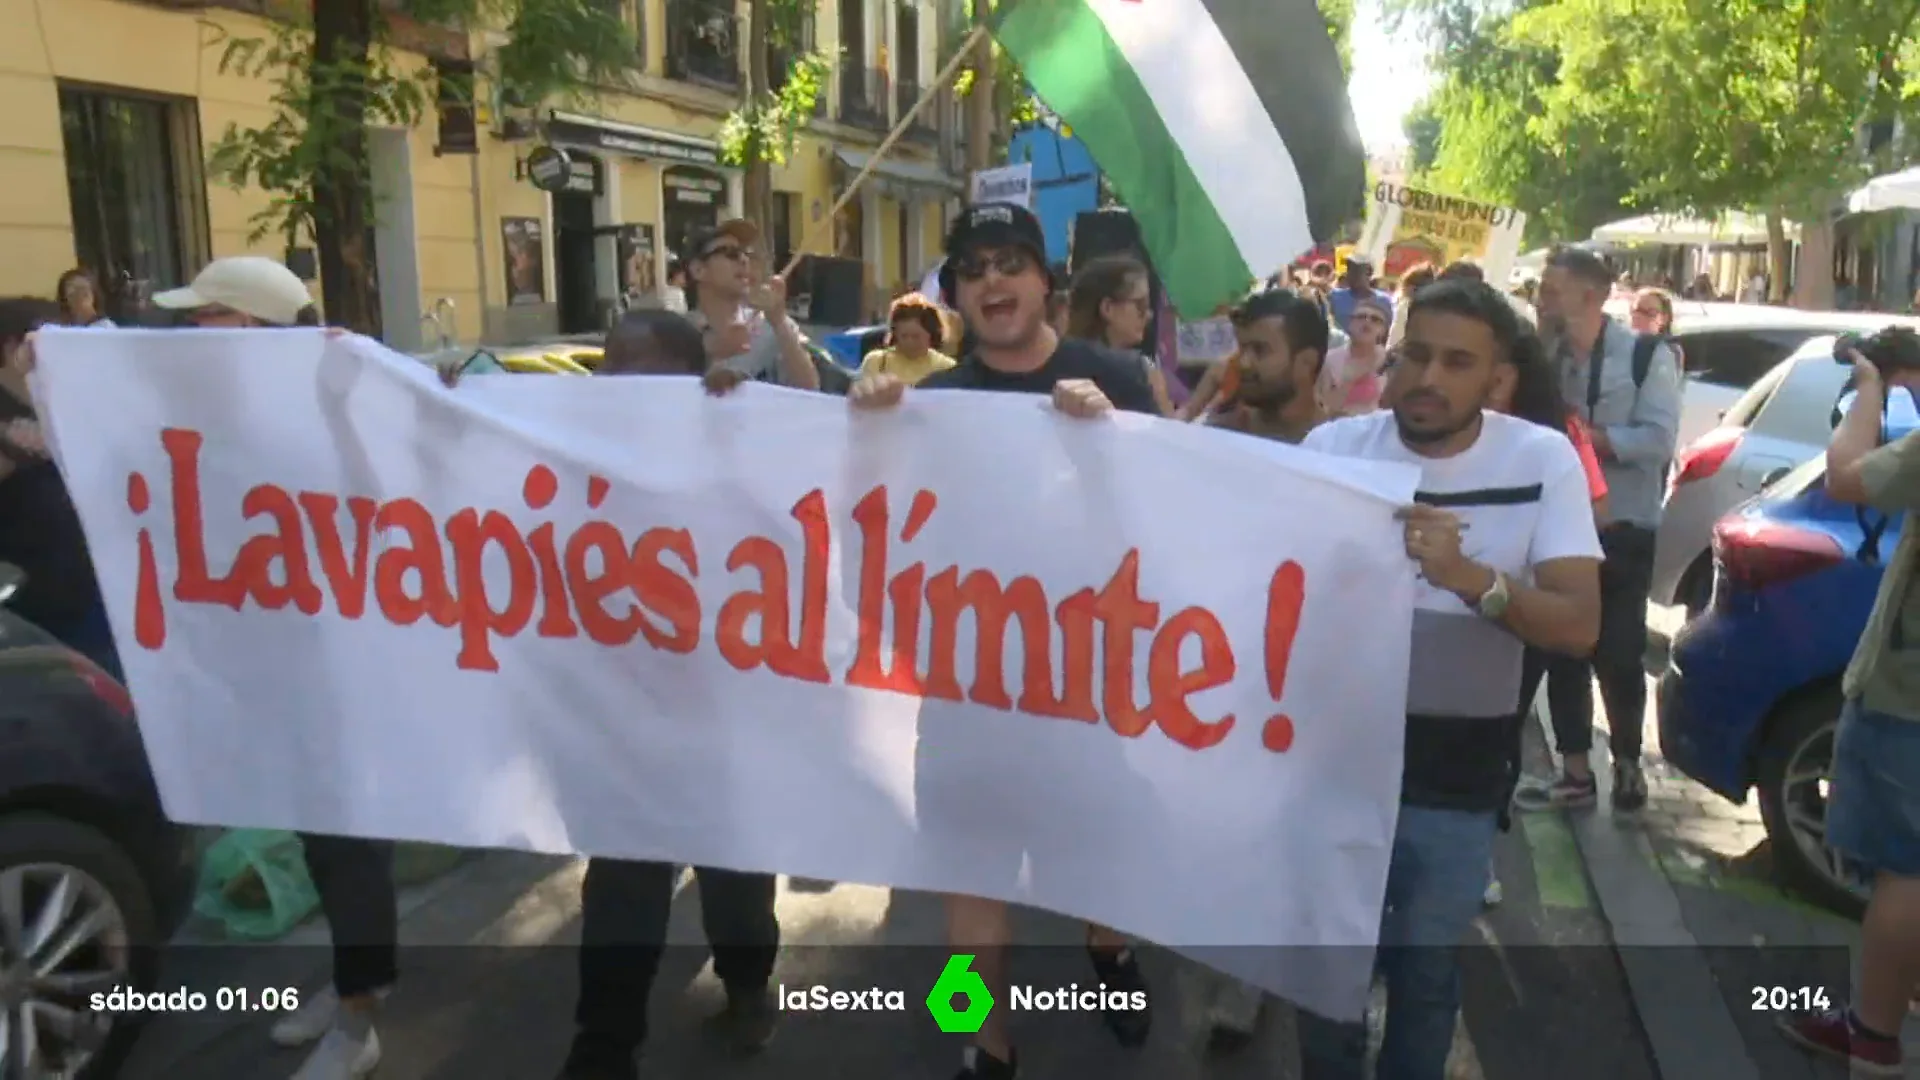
958 979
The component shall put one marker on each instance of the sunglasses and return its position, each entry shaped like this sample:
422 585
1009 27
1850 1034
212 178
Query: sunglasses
1006 263
729 251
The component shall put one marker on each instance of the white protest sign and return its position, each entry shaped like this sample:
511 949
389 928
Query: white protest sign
1408 226
620 617
1206 341
1006 184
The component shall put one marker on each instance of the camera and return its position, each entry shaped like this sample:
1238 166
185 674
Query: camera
1894 350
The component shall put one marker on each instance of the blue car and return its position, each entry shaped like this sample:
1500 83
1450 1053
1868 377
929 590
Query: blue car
1751 692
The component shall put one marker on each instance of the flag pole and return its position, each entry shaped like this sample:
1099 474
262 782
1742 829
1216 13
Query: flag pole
899 129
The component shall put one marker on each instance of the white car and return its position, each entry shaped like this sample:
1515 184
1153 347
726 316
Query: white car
1760 392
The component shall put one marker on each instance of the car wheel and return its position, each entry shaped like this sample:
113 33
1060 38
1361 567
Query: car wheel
75 919
1795 762
1695 591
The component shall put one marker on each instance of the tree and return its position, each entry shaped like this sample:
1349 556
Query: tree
1479 133
1738 104
785 78
338 72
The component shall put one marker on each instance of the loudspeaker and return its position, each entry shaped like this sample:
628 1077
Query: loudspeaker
1097 233
838 290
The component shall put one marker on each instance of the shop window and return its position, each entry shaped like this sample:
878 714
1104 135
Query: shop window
137 191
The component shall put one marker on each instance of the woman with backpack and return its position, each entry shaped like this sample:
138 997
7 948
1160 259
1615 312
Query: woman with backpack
1653 314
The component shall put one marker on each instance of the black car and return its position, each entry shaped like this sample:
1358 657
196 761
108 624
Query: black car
93 877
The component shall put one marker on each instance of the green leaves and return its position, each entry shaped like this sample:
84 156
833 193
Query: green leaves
320 107
764 130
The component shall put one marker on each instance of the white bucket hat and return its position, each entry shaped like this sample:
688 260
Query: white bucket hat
249 284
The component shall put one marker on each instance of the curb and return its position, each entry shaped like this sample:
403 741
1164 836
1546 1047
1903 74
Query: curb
1686 1018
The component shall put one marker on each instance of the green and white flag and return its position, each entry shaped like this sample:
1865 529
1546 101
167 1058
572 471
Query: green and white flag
1223 124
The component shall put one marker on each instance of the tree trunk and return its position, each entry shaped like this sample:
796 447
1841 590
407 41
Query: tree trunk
1813 284
980 97
342 194
758 182
1779 259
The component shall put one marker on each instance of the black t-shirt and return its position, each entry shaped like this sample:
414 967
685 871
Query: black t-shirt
1119 375
40 534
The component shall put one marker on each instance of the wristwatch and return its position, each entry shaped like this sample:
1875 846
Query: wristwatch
1493 603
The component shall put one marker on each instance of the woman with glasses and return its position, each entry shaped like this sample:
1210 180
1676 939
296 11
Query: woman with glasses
1653 314
1111 303
1352 378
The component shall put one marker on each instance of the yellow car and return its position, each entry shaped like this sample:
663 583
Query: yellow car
551 360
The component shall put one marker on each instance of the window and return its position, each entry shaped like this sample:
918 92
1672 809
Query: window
1735 358
131 162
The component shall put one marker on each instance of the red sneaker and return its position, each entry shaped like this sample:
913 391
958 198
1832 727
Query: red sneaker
1830 1033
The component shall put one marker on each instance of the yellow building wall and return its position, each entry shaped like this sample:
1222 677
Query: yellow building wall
886 261
808 173
114 46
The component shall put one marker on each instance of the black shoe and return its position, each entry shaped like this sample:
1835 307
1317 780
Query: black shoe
1119 970
747 1023
977 1064
1629 786
588 1059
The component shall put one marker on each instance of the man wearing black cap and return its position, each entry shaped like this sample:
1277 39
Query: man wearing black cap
743 319
1355 284
996 275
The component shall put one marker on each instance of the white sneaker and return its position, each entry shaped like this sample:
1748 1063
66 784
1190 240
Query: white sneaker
311 1020
340 1056
1493 895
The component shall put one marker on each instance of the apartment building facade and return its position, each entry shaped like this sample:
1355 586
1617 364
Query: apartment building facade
117 105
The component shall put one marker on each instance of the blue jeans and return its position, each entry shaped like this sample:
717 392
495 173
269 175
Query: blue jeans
1873 810
1435 882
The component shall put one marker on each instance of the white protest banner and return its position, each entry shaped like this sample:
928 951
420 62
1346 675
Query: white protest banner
1006 184
1407 226
620 617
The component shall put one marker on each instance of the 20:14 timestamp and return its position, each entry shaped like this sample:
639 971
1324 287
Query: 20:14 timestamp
1790 998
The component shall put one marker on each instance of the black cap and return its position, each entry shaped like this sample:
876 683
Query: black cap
998 225
702 239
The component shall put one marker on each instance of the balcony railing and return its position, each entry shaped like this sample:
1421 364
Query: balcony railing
703 43
925 127
863 96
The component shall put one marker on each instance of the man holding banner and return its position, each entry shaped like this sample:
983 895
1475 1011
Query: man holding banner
996 271
1502 530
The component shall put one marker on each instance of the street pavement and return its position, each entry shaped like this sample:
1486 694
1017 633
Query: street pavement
1627 948
487 990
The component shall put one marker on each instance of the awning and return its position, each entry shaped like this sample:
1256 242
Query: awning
1897 191
600 133
1732 227
897 178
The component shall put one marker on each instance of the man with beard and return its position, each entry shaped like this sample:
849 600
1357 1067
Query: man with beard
996 273
1626 388
1501 531
1283 343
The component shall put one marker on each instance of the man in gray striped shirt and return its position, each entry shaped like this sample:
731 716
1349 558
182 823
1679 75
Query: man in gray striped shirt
1502 536
1633 411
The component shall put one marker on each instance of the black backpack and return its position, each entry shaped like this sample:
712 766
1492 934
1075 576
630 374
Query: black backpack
1643 346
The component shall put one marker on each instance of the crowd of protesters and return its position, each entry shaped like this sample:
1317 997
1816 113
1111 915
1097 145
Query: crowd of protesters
1527 423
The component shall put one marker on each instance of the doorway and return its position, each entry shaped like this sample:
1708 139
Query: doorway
693 199
575 278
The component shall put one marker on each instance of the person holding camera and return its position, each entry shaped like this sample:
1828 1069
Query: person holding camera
1873 804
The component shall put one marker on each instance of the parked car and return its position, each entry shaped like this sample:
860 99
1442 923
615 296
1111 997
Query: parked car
96 877
1751 691
1759 400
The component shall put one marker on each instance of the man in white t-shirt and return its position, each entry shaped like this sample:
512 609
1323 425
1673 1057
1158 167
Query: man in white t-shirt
1502 533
